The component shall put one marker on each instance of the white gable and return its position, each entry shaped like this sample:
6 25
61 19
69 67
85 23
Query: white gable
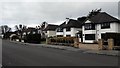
88 21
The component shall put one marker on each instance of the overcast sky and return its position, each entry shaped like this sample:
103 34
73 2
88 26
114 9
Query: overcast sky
34 13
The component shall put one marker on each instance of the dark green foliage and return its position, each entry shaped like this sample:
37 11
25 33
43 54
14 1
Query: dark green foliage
14 37
43 39
7 35
115 36
33 38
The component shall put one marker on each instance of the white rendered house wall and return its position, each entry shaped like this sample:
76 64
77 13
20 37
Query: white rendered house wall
114 27
72 32
51 33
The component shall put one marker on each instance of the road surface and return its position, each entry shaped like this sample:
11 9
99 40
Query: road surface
24 55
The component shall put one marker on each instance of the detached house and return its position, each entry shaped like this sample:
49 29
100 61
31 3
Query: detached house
50 30
97 24
69 28
59 30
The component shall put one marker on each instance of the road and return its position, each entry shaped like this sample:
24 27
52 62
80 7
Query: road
25 55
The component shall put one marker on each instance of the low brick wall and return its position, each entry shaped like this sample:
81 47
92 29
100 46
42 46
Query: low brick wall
89 46
74 42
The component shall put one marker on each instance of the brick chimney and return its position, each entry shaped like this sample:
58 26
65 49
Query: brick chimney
67 20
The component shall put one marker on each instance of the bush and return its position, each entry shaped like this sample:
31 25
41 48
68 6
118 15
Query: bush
115 37
62 40
43 39
33 38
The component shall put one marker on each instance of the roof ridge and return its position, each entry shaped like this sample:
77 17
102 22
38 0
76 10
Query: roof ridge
52 25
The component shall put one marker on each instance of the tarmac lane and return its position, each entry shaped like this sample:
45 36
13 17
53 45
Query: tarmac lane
15 54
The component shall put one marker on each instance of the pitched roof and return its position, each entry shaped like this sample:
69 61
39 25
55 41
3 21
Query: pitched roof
103 17
62 25
73 23
51 27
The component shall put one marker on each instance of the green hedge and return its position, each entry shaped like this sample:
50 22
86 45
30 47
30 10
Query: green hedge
115 36
33 38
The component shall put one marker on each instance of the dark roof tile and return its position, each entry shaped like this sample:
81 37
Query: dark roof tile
73 23
103 17
51 27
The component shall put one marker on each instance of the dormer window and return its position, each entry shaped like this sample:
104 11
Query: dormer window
105 25
59 29
89 26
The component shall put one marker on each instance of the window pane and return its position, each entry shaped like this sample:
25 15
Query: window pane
68 35
59 35
60 30
89 36
105 25
90 26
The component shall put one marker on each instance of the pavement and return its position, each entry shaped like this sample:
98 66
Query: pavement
83 50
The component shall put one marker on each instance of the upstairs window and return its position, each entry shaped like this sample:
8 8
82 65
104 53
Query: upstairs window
105 25
68 29
89 26
60 30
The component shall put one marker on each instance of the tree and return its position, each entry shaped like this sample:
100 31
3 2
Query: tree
5 28
20 29
94 12
43 25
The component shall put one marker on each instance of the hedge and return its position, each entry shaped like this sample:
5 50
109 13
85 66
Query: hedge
33 38
62 40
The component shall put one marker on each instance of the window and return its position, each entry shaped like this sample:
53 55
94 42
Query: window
60 30
89 36
68 35
59 35
89 26
68 29
102 36
105 25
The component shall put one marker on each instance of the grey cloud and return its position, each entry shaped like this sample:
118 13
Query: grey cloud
52 12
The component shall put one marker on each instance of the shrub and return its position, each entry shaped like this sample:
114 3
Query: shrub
33 38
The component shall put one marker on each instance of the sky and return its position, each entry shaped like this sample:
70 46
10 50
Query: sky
33 12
